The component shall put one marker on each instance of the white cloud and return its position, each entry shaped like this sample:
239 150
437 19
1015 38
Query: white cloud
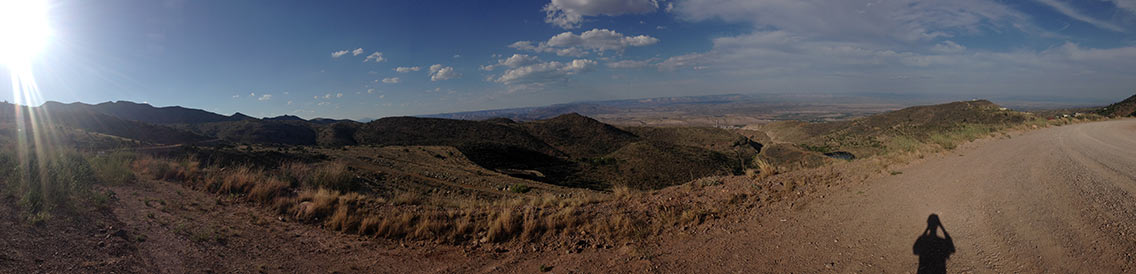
861 20
595 40
544 72
948 47
392 80
569 14
439 72
513 61
337 54
1071 12
376 56
289 102
1129 5
356 52
236 96
407 69
265 97
370 90
630 64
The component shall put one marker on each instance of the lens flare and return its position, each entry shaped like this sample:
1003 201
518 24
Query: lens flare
24 30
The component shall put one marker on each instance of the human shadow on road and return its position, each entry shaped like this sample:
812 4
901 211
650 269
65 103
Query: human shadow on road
933 251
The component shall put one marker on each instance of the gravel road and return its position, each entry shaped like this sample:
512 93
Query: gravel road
1059 199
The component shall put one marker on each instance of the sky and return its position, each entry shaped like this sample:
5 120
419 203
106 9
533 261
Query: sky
372 59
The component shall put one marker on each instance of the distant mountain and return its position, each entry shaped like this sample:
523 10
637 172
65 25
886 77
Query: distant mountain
589 108
92 121
284 118
147 113
328 121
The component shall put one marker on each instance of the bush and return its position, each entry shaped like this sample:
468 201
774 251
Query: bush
114 168
334 176
43 183
519 188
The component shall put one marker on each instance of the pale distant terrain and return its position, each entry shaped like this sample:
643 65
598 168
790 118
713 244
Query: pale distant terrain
738 110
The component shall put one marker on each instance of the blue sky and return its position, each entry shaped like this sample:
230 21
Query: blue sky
310 58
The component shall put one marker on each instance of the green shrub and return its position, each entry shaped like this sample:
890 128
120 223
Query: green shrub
114 168
519 188
46 182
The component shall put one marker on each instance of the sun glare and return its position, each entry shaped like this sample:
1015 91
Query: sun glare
23 31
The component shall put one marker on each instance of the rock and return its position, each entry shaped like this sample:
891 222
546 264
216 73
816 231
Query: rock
120 233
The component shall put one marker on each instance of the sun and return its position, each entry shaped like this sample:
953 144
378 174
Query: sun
24 31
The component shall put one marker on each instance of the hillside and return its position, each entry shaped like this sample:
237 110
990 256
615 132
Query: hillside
876 133
1124 108
579 136
567 150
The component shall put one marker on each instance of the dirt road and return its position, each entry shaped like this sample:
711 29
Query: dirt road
1052 200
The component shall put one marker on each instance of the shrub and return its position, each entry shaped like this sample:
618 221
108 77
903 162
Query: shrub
334 176
45 182
519 188
114 168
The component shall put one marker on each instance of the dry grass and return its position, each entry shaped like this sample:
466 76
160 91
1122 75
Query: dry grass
765 169
296 190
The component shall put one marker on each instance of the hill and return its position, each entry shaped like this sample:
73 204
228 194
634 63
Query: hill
895 130
149 114
568 150
55 115
1124 108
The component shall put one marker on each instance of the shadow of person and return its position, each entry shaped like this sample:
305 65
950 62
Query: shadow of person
933 251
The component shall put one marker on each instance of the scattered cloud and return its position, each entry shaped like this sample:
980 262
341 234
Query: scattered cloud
948 47
595 40
630 64
524 71
407 69
265 97
569 14
439 73
513 61
337 54
356 52
1071 12
391 80
236 96
902 21
376 56
1128 5
338 95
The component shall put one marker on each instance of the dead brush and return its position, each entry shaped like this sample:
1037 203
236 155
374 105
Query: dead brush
268 190
765 169
504 224
347 217
316 204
